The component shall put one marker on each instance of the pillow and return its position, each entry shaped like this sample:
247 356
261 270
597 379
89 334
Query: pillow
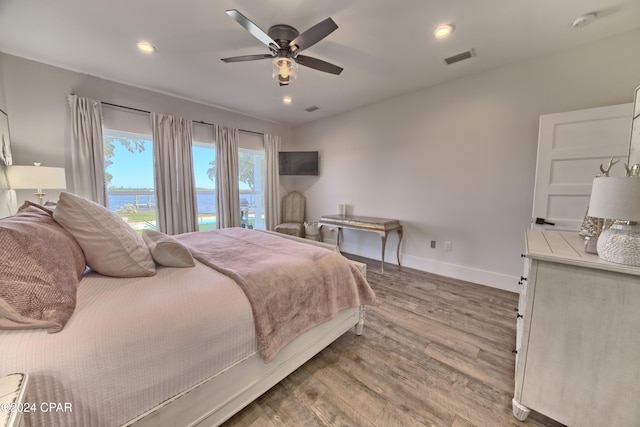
49 205
166 250
40 270
110 245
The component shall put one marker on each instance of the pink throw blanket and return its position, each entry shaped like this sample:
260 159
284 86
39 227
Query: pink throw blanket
291 286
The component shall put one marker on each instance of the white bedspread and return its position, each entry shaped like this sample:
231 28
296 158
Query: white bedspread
126 337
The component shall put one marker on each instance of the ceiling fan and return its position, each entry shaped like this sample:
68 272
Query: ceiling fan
285 44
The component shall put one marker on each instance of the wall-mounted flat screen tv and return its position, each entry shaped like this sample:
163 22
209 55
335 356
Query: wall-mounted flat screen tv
298 162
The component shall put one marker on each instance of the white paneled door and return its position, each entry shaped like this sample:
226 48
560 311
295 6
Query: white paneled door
571 148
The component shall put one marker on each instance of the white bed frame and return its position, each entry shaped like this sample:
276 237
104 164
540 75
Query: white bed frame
218 398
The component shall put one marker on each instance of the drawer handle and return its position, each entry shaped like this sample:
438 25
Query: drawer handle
523 278
541 221
514 351
519 316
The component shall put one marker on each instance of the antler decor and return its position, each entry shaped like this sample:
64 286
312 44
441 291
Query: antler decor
605 172
591 226
633 170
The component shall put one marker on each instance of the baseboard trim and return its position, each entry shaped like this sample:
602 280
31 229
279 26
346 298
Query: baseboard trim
469 274
461 272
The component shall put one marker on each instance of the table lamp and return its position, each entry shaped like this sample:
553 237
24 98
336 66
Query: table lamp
618 198
36 176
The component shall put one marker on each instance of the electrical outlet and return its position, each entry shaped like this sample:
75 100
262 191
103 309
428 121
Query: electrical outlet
433 244
447 246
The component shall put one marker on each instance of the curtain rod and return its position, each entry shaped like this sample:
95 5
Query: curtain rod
240 130
194 121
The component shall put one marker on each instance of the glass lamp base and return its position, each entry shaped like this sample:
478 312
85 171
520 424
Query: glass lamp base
591 245
620 243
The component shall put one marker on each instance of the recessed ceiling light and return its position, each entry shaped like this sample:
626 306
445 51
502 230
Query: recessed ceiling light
443 31
146 47
287 100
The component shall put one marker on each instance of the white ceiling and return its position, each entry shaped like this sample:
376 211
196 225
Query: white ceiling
386 48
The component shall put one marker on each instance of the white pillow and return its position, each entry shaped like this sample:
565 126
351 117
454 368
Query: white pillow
166 250
111 247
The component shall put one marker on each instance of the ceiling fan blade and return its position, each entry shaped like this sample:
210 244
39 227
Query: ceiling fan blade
318 64
246 58
313 35
253 29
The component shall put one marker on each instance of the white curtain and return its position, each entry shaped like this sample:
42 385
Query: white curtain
272 180
174 178
87 149
228 190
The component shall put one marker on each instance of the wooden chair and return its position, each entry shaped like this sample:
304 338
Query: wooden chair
293 211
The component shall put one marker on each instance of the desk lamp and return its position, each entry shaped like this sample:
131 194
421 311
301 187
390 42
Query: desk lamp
618 198
36 176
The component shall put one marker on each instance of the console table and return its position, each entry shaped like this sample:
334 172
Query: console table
380 226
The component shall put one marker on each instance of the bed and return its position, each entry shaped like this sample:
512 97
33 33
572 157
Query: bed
182 346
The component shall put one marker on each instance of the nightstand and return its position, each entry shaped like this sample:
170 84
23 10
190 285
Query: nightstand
12 391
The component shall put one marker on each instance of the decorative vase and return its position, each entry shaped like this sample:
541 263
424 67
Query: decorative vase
620 243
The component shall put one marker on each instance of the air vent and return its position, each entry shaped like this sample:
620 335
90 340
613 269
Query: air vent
460 57
312 108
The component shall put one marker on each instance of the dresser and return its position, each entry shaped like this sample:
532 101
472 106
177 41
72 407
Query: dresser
578 338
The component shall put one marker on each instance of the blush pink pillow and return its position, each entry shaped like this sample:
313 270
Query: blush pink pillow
40 270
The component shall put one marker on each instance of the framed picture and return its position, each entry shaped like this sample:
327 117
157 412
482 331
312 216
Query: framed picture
5 141
634 145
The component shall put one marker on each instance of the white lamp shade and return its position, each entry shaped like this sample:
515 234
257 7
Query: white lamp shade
615 198
36 177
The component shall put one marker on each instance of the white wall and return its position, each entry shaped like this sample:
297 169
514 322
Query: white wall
5 197
36 97
456 162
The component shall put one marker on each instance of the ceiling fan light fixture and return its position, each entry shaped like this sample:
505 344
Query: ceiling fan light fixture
285 70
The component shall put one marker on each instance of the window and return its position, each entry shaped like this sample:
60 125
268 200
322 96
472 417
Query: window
129 174
128 161
251 174
204 170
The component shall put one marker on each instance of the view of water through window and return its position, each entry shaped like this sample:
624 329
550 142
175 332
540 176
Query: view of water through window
130 185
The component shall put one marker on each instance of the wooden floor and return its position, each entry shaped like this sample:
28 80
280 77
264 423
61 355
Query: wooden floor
435 352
